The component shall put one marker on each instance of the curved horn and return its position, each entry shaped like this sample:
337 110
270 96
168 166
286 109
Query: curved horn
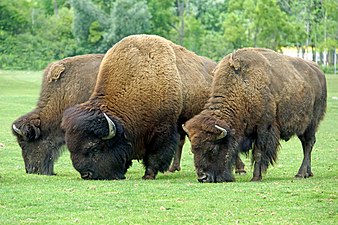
17 130
111 127
223 134
185 129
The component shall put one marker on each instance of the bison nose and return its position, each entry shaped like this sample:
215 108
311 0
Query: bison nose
87 175
202 178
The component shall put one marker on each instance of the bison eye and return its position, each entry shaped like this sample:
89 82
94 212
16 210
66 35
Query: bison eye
95 150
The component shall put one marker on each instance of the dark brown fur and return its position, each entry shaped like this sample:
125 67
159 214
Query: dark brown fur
65 83
259 97
148 86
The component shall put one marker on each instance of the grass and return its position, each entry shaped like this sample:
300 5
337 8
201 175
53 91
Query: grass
172 198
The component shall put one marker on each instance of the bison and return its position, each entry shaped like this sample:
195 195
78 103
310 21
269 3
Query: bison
258 97
147 87
65 83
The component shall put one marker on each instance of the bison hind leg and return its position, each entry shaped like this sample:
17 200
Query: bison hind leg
308 140
239 166
160 152
176 164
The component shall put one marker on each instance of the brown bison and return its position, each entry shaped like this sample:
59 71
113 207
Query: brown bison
258 97
147 87
65 83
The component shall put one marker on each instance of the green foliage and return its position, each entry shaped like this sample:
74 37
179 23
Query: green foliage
126 18
331 24
258 23
214 46
162 18
12 20
172 198
96 30
88 17
36 32
34 50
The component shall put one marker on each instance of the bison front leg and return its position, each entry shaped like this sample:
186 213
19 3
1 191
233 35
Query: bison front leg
308 140
160 152
265 150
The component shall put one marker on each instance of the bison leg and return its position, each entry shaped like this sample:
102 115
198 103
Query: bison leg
265 150
308 140
257 157
239 166
176 164
161 151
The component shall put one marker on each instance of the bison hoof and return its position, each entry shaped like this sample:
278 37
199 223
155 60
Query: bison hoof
255 179
172 169
306 175
148 177
240 172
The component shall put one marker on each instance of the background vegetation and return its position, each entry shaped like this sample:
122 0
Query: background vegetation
36 32
172 198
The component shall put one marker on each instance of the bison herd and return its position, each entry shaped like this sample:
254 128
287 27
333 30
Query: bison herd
141 99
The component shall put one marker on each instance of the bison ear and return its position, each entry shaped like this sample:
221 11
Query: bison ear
234 63
55 71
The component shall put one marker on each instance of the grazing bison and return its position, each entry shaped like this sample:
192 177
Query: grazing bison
258 97
65 83
147 87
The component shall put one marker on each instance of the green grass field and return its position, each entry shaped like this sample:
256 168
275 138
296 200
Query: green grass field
172 198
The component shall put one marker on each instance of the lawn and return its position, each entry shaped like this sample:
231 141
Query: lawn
172 198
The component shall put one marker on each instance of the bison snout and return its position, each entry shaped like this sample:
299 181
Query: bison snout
202 178
213 177
87 175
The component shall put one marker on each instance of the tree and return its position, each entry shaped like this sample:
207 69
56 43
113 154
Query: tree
330 30
259 23
127 17
162 17
13 18
85 14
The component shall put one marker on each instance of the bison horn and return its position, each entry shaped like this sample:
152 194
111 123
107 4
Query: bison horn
185 129
223 134
17 130
111 127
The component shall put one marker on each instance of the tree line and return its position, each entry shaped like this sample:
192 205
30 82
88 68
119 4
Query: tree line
36 32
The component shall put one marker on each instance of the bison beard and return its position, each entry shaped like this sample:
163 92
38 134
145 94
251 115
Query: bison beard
258 97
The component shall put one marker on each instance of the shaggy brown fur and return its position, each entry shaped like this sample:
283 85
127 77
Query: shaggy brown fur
147 85
65 83
259 97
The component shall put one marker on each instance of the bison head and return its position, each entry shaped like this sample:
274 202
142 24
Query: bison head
97 143
213 147
39 148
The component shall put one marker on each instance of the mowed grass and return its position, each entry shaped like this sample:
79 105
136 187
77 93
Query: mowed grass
172 198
